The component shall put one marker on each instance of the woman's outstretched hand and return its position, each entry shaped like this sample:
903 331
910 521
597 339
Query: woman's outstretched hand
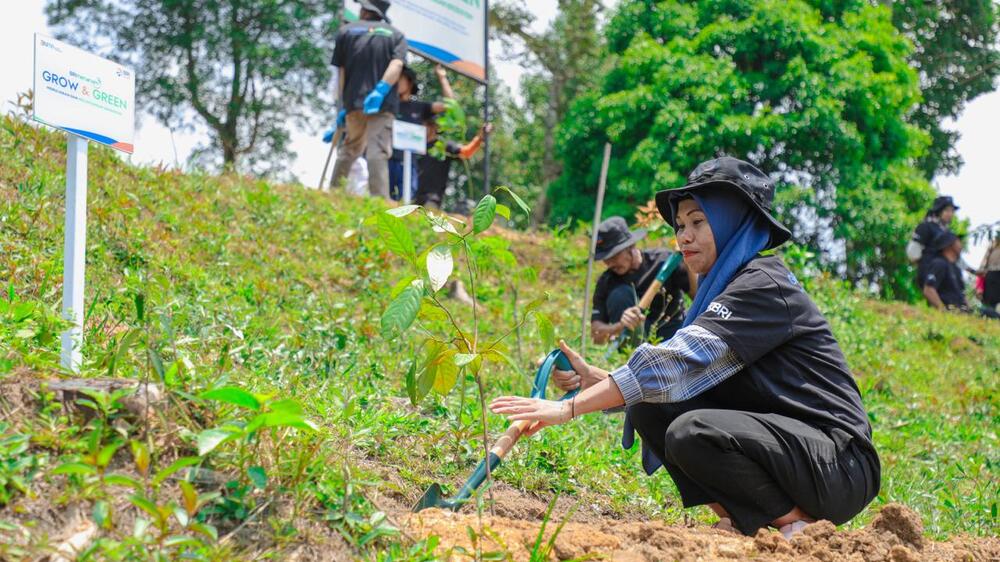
542 412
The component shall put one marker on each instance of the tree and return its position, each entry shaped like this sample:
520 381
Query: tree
957 54
246 69
815 93
563 61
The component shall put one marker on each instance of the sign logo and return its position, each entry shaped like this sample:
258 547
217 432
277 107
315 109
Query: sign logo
719 309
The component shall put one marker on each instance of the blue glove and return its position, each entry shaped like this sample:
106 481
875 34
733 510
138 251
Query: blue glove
341 121
373 102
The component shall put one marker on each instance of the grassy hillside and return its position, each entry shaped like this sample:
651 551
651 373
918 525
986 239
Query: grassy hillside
200 283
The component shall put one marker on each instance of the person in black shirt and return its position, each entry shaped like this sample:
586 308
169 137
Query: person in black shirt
936 221
434 171
369 56
751 406
943 285
415 111
630 272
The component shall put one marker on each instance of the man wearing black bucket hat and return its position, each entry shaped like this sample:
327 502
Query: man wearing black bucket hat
630 272
750 407
943 286
369 56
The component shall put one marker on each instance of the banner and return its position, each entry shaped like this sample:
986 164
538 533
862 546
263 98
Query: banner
84 94
451 32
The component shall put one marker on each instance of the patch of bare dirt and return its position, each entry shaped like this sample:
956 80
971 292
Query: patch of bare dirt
895 535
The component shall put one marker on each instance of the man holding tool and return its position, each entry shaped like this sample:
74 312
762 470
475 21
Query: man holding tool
632 272
369 57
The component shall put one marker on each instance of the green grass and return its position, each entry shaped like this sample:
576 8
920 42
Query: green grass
200 282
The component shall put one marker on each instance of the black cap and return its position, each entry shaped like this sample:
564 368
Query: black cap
943 240
613 236
941 202
380 7
730 173
411 75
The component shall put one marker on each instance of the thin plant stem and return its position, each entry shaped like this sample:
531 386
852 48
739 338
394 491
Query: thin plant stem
479 380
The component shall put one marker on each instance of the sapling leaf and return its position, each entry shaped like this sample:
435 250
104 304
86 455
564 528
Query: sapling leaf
174 467
446 376
209 439
102 514
145 505
122 480
520 202
258 476
400 285
499 356
189 496
402 210
74 468
546 331
397 238
439 266
484 213
401 312
410 380
503 211
232 395
463 359
106 453
140 453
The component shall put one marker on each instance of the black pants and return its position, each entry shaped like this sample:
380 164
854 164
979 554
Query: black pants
757 466
624 297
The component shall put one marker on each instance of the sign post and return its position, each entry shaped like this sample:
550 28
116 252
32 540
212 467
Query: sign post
90 98
410 138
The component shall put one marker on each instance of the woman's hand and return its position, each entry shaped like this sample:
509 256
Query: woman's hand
582 376
542 412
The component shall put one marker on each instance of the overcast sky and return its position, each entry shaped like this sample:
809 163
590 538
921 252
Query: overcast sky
976 189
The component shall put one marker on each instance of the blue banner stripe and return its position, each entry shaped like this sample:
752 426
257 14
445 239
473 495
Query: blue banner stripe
436 52
93 136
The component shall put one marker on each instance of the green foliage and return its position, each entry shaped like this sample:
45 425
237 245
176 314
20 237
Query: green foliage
957 55
18 466
816 94
248 70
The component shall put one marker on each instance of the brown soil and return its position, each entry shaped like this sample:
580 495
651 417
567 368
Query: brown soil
895 535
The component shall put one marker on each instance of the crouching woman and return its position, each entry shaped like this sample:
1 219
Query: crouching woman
750 407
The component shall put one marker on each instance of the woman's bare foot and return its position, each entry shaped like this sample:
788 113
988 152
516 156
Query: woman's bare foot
792 523
725 524
796 514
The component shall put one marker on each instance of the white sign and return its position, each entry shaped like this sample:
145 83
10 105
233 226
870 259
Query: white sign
409 136
84 94
452 32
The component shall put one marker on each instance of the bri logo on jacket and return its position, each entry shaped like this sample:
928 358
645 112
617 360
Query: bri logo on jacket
720 310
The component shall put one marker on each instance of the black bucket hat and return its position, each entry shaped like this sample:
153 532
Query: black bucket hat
731 173
411 75
943 240
941 202
380 7
613 236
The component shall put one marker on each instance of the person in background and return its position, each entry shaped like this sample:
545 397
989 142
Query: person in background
990 274
415 111
943 285
630 271
937 220
369 56
434 171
